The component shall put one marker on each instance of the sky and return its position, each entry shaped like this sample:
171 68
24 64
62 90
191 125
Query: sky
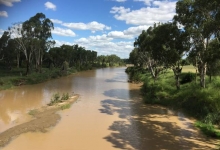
106 26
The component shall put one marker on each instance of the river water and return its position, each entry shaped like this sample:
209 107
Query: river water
109 115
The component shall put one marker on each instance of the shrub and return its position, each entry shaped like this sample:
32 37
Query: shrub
55 99
186 78
65 96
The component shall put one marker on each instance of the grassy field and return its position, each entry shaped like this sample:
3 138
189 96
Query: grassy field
189 68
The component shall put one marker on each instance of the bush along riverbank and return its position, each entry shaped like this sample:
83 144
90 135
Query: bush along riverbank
17 77
201 103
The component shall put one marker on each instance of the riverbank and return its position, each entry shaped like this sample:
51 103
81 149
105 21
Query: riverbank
16 76
42 119
202 104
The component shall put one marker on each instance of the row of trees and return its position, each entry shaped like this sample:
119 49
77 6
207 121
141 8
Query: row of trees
31 43
28 40
194 32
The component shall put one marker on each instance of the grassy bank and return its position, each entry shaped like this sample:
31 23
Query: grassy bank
203 104
17 77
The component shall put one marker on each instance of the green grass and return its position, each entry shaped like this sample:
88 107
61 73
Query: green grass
208 129
16 77
32 112
66 106
189 68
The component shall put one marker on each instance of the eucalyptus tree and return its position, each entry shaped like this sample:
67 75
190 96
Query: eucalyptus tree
201 18
144 46
213 59
11 53
101 60
169 45
4 43
134 57
30 33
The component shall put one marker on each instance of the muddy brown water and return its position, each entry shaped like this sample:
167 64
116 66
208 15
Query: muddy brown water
109 115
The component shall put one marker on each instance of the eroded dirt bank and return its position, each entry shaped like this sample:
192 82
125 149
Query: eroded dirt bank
43 119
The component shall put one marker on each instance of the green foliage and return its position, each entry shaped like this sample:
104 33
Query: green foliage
208 129
66 106
56 98
65 96
187 77
202 104
136 74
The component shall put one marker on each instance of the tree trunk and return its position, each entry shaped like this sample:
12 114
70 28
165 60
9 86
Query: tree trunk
177 71
203 75
177 82
27 67
18 60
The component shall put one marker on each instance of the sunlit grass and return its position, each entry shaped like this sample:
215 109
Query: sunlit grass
189 68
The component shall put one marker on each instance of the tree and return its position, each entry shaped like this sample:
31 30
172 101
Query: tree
201 19
213 59
30 33
169 44
133 57
4 43
144 44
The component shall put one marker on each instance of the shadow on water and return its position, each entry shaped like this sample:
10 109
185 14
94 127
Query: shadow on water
147 127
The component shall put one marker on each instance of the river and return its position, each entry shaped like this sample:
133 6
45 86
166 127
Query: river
109 115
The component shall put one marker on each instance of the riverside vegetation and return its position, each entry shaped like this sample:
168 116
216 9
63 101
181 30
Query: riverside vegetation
28 55
201 103
161 51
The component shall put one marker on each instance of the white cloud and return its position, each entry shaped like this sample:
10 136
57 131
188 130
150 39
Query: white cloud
160 11
119 35
135 31
50 5
105 46
93 26
9 2
63 32
56 21
3 14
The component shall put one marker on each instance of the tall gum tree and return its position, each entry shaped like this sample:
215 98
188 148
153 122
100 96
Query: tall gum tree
143 44
201 19
30 33
169 45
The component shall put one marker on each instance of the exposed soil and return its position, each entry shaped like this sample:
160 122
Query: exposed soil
43 119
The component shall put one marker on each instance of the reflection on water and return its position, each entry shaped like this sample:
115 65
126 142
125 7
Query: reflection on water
109 115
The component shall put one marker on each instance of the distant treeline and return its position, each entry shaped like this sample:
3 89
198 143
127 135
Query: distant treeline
29 45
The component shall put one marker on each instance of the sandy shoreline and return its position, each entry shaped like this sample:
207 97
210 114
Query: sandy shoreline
43 118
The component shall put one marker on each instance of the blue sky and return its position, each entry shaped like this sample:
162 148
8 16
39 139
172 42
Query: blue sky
106 26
